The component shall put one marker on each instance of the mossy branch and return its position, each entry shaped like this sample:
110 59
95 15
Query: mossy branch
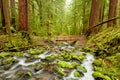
89 30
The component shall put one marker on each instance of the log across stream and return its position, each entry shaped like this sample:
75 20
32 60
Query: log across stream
59 62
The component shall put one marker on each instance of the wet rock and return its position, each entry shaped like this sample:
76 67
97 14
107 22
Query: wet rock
6 67
38 67
32 58
44 76
8 60
22 74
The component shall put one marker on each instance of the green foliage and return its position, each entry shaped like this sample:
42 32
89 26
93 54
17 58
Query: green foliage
17 41
105 42
100 75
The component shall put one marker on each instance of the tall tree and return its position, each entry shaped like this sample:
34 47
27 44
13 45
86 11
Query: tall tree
6 15
23 21
12 5
23 24
95 13
2 14
113 8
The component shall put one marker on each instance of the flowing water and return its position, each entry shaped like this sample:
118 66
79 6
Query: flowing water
23 65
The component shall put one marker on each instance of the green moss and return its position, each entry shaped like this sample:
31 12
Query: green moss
35 56
78 74
97 62
8 60
38 67
65 56
100 75
59 71
29 74
82 68
4 54
36 51
100 69
81 57
64 64
52 57
18 54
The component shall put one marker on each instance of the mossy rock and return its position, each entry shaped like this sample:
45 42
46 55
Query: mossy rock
99 62
64 56
4 54
6 66
65 64
18 54
36 51
82 68
22 74
38 67
59 71
100 75
78 74
52 57
8 60
81 57
96 68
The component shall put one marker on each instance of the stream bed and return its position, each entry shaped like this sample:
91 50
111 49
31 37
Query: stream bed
60 62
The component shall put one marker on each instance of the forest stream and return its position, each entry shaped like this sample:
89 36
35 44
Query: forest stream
61 62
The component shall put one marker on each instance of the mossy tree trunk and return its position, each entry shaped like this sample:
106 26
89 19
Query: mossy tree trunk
23 21
12 5
7 16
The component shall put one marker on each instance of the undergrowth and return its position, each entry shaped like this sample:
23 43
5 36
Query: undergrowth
106 47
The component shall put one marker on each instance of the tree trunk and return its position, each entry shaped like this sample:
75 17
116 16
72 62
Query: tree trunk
95 13
7 16
23 24
12 3
113 7
2 14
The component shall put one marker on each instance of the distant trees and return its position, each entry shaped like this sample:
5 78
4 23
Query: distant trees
57 17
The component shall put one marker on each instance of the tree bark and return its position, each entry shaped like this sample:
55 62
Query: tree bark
2 14
23 24
95 13
7 16
113 7
12 5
